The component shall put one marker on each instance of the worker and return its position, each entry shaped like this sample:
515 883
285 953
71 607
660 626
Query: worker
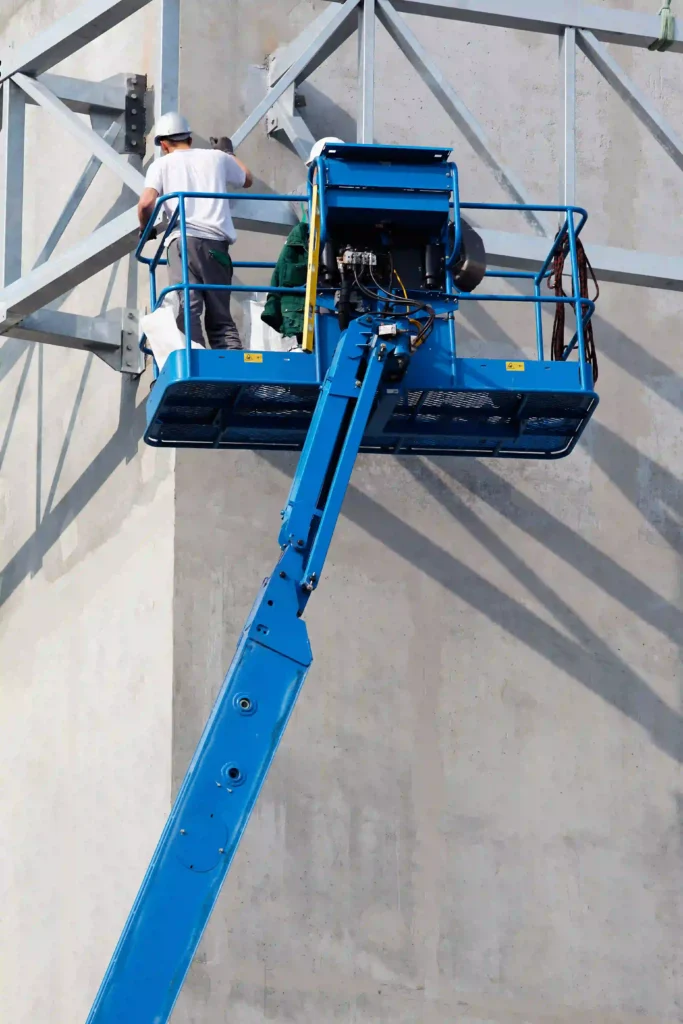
209 228
285 313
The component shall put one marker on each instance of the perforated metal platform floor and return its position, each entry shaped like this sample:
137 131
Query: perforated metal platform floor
218 414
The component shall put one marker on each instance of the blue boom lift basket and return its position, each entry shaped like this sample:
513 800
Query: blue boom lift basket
445 404
385 380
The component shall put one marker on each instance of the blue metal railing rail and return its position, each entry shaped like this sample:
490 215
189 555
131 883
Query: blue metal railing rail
569 231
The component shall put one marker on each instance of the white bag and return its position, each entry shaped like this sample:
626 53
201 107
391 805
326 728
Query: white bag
163 336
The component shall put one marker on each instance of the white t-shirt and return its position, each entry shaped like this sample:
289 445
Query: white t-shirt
199 170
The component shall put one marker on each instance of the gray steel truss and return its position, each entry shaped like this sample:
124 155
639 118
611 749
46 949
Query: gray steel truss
576 25
549 16
26 77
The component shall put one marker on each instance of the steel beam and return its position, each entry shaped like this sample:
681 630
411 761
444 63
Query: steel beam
568 57
266 217
43 285
286 120
635 100
82 96
73 123
69 330
365 128
112 338
289 53
12 155
444 92
74 201
622 266
329 38
166 98
67 36
627 28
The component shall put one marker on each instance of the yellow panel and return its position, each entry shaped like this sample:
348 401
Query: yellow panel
514 366
312 274
253 357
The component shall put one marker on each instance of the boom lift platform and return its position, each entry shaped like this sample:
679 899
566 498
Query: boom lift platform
393 259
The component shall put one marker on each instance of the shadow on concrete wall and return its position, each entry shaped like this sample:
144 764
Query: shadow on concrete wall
587 658
640 364
325 117
10 354
655 492
122 445
16 350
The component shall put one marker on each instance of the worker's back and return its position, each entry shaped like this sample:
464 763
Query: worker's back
200 170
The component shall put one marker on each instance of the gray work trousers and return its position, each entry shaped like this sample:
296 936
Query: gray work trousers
204 268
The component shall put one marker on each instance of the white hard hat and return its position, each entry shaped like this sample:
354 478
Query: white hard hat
318 147
171 126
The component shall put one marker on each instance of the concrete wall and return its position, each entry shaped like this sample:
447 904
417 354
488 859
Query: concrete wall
86 540
475 814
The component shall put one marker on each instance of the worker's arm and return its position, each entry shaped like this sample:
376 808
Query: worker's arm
146 206
224 144
248 179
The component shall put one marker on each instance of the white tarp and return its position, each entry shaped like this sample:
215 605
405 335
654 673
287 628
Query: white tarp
163 336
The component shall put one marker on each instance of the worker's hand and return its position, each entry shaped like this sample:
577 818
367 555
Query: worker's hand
151 236
224 144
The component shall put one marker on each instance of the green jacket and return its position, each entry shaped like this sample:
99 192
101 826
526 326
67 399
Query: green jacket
285 313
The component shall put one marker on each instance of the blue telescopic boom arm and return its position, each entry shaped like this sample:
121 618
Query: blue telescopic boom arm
250 715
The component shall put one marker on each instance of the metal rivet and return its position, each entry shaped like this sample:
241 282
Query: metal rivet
133 95
131 316
183 832
133 142
221 850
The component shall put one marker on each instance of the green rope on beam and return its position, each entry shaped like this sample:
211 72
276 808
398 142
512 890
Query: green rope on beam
667 28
